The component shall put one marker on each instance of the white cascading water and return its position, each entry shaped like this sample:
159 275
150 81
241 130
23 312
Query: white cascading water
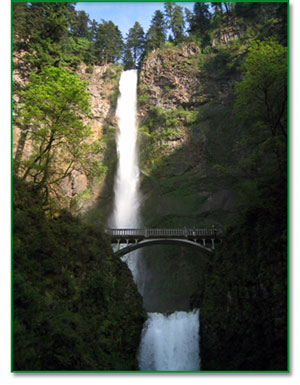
169 342
126 211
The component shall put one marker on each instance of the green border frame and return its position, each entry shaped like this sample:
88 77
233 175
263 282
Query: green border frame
288 194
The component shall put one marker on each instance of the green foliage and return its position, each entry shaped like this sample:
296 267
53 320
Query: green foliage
199 23
161 126
75 307
175 18
78 50
109 42
128 60
143 99
261 102
53 123
264 84
135 42
156 34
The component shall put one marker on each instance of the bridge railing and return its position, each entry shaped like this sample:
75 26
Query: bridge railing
151 232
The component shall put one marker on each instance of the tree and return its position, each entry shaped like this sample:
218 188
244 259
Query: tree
80 25
156 34
136 41
109 43
47 20
200 21
93 30
46 30
217 7
51 110
174 15
261 97
20 12
128 61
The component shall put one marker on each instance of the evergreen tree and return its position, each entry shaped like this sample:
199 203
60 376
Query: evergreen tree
128 61
217 8
175 18
200 19
93 30
80 26
20 13
136 41
47 21
156 35
109 43
47 28
199 22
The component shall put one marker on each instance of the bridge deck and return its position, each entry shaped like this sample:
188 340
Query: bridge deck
121 234
133 239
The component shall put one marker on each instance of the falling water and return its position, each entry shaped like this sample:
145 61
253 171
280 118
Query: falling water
168 342
125 213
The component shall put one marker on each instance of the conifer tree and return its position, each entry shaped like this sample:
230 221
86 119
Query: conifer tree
136 41
128 61
109 43
175 18
199 22
156 35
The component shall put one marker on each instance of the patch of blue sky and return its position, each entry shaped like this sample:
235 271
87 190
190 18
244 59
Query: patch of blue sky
125 14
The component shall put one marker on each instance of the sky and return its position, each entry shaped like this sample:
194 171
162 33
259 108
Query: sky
124 14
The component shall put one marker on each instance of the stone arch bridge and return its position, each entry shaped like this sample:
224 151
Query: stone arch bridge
128 240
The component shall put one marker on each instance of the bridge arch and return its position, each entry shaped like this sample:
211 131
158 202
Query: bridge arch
162 241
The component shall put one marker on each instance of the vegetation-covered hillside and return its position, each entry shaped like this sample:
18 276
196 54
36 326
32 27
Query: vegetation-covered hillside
75 306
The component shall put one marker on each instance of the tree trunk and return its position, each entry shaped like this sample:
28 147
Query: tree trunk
20 149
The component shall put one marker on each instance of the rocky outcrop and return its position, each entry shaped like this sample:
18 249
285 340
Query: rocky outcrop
169 77
102 82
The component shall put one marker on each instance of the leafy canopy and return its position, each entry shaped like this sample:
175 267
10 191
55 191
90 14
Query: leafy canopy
262 93
55 127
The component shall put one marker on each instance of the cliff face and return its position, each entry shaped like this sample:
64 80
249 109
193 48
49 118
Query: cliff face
176 115
169 77
173 100
103 88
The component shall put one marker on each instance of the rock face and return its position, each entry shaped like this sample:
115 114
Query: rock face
169 77
102 86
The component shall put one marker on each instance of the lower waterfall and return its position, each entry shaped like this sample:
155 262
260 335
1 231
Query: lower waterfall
169 342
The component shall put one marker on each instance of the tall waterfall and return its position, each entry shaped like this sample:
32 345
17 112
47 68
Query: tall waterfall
126 203
168 342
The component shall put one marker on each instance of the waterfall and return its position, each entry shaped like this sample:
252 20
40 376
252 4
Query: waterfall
169 342
126 203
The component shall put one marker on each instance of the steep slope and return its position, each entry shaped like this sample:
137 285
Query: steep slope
75 306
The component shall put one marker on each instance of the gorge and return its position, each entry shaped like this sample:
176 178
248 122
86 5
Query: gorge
188 132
